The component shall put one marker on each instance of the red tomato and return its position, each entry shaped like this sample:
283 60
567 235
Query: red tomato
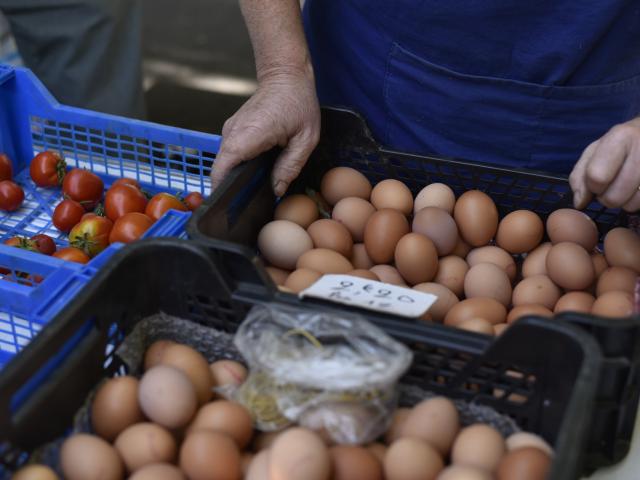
162 202
126 181
6 170
67 215
72 254
193 200
47 169
21 242
91 235
122 199
84 187
11 196
44 243
130 227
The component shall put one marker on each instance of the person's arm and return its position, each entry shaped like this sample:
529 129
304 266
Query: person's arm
284 110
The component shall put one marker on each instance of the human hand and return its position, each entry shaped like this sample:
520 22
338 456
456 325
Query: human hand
609 169
283 112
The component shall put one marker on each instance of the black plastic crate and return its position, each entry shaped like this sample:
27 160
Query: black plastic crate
550 393
235 213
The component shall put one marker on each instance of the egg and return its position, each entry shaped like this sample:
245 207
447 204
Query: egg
461 249
520 231
145 444
575 302
359 257
570 266
154 353
282 242
259 467
477 217
392 194
167 396
354 463
353 213
228 372
477 325
488 280
436 421
158 471
435 195
278 275
368 274
398 420
343 182
599 263
87 457
206 455
382 233
378 450
299 454
613 304
324 261
535 263
445 302
388 274
301 279
439 226
194 365
524 464
525 439
416 258
620 279
622 249
487 308
451 273
411 458
461 472
298 209
528 309
569 225
223 416
264 440
326 233
35 472
499 328
479 446
495 255
536 290
115 407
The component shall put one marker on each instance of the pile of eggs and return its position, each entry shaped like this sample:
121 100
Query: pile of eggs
485 271
168 425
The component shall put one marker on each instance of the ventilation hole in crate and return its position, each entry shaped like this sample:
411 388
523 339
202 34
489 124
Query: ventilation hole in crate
115 336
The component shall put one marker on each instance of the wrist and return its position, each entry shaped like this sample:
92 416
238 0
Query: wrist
283 69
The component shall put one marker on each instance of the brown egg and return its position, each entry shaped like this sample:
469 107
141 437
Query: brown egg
353 213
282 242
301 279
35 472
368 274
343 182
570 266
388 274
354 463
392 194
487 308
359 257
439 226
479 446
226 417
569 225
259 467
477 217
87 457
575 302
278 275
499 328
451 273
525 439
436 421
154 353
208 455
477 325
382 233
622 249
378 450
446 299
158 471
495 255
613 304
535 263
536 290
435 195
194 365
115 407
621 279
488 280
264 440
416 258
331 234
520 231
461 472
299 454
398 420
599 263
528 309
228 372
145 444
324 261
411 458
524 464
462 248
298 209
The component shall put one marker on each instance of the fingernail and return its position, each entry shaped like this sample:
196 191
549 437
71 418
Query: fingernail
577 199
279 188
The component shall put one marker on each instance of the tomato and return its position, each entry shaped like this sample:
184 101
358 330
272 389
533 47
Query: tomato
91 235
21 242
11 196
130 227
67 215
84 187
193 200
162 202
72 254
47 169
44 243
6 169
126 181
122 199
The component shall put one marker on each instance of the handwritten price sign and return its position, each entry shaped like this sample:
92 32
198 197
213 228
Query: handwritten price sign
372 295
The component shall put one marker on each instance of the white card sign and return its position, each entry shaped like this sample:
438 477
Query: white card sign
372 295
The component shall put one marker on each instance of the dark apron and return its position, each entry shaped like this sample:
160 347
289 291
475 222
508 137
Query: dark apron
521 84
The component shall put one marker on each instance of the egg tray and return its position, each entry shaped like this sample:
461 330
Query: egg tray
44 387
233 216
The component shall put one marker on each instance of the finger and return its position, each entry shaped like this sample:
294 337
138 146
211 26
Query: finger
633 205
577 180
625 185
291 160
608 158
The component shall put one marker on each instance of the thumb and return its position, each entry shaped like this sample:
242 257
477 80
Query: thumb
290 162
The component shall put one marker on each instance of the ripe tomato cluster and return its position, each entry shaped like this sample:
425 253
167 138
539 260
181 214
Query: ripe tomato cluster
11 195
